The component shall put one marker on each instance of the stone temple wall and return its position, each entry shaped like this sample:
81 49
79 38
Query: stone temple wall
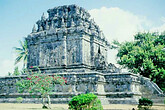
77 83
111 88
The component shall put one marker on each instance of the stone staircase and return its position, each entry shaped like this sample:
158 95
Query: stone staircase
151 90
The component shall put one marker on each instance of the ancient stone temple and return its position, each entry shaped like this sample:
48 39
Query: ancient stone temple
69 43
67 40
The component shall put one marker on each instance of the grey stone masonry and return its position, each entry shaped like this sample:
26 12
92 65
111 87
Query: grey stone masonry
111 88
68 38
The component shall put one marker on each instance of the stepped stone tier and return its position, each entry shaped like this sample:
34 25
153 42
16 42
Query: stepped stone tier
72 45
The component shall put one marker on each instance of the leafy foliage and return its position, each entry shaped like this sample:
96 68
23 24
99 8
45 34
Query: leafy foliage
145 104
85 101
22 52
16 71
19 99
144 56
37 82
9 73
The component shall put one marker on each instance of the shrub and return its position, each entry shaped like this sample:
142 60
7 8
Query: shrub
145 104
19 99
85 101
37 82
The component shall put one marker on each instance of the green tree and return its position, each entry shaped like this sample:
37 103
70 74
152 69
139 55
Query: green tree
22 53
145 56
37 82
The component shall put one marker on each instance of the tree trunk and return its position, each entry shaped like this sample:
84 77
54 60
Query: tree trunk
43 101
46 101
49 102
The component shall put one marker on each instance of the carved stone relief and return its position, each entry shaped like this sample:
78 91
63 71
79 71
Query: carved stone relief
51 54
73 55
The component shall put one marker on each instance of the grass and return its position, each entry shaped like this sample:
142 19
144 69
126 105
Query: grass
19 106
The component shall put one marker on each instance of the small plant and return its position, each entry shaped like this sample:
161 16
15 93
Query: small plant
37 82
145 104
19 99
85 102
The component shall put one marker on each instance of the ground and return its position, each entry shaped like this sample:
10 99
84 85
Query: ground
17 106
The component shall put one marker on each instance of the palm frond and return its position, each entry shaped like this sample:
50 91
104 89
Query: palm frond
25 44
18 59
25 58
21 52
22 45
17 49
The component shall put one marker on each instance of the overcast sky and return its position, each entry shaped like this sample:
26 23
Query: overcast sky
118 19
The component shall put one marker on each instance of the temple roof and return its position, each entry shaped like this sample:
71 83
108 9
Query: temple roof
69 19
61 11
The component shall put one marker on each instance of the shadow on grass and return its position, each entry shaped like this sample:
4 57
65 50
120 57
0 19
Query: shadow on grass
53 108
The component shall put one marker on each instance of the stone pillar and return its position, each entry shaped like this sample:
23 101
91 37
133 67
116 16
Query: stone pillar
92 50
64 55
74 82
100 84
81 50
100 89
